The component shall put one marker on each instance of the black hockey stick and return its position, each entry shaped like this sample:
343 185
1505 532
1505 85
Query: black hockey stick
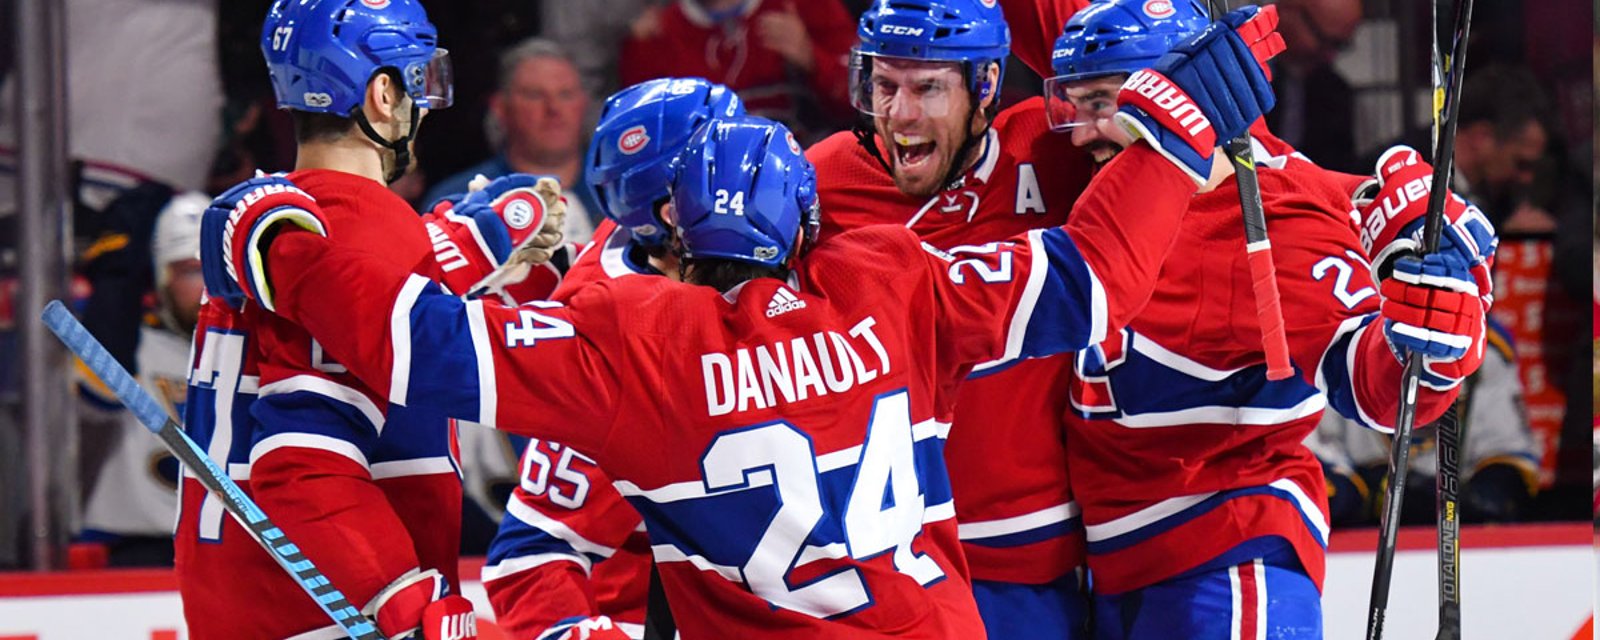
1447 105
158 421
1450 432
1258 251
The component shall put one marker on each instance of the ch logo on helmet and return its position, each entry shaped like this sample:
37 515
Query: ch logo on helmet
794 147
987 3
376 4
1159 8
900 30
522 211
633 140
318 100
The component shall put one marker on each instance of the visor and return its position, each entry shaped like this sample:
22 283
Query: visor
1064 112
904 87
432 84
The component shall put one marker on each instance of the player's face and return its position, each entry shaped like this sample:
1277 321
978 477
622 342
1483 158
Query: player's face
922 112
541 110
1095 101
184 286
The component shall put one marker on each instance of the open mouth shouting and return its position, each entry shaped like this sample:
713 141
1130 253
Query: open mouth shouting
911 151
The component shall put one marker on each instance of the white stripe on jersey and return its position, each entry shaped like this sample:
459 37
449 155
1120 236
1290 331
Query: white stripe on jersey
1175 361
1143 517
400 338
331 390
517 509
309 441
518 564
412 467
1319 520
1017 524
488 400
669 553
1235 416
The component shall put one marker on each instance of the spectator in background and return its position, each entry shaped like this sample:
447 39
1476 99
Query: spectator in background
590 31
132 501
1500 142
787 59
538 113
1499 466
1316 106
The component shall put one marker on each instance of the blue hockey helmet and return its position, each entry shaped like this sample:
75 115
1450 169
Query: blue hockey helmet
1115 37
642 130
741 192
972 33
322 53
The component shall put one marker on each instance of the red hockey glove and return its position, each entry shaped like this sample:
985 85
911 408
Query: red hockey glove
237 228
494 238
449 618
1392 205
595 628
1431 307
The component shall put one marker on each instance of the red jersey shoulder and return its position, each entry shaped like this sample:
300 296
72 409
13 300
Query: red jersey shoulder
588 268
1302 188
366 214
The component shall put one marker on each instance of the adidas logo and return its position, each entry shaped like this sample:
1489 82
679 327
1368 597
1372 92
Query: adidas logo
783 301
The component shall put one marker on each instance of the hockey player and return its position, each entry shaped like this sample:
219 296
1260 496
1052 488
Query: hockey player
358 485
570 548
934 152
1204 513
132 503
778 505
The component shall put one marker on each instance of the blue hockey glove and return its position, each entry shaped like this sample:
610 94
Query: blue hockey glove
1206 90
237 228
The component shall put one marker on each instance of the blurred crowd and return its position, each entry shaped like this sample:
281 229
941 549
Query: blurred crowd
169 102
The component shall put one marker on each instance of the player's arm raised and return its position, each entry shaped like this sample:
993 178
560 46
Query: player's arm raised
1072 285
1351 323
405 336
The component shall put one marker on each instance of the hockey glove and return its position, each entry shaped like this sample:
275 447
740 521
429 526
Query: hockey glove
493 238
449 618
1207 89
595 628
1391 207
1431 306
238 226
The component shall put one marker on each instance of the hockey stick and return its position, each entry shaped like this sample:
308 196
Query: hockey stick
1258 252
155 418
1451 433
1447 105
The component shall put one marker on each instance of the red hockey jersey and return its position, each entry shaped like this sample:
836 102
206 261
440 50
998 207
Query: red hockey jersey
1018 520
357 484
1182 450
570 547
791 470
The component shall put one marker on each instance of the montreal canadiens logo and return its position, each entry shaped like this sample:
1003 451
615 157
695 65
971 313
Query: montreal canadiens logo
633 140
987 3
1159 8
522 211
376 4
793 146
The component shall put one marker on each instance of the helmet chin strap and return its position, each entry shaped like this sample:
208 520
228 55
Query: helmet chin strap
400 146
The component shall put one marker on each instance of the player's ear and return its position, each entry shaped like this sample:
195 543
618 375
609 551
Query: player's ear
381 101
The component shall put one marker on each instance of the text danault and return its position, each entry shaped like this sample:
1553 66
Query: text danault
793 370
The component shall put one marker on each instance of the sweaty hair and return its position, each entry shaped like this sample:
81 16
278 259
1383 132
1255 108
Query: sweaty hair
723 275
530 49
1505 96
